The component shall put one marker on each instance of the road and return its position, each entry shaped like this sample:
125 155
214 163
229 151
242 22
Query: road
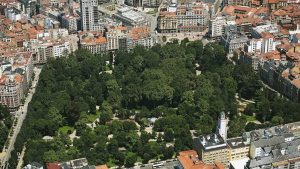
153 19
169 164
20 118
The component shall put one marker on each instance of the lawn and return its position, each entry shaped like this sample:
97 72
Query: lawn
65 129
151 12
250 118
111 163
92 117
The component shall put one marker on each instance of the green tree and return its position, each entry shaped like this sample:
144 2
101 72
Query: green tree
3 135
277 120
156 87
205 125
50 156
168 135
168 152
113 93
237 126
130 159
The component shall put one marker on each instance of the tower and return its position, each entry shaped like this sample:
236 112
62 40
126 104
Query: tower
89 15
222 125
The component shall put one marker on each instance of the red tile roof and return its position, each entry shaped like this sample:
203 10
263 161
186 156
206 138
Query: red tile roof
53 166
189 160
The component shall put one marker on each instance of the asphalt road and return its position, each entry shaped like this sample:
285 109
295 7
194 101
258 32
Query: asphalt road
169 164
21 116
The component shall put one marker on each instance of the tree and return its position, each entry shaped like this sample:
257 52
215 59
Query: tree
104 117
203 92
205 125
113 93
145 137
120 157
3 135
159 138
129 125
168 152
247 81
251 126
156 87
237 126
168 135
4 112
130 160
50 156
277 120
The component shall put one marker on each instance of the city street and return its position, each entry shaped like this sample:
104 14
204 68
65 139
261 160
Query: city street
20 115
169 164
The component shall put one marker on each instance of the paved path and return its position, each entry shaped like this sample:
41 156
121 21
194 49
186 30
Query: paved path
20 115
20 162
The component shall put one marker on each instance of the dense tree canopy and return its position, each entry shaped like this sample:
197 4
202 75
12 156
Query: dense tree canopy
160 82
5 124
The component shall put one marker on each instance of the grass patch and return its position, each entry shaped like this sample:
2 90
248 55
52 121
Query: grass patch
92 117
65 129
139 159
151 12
250 118
111 163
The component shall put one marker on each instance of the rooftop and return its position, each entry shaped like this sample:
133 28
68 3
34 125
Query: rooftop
280 152
237 142
189 160
240 163
210 142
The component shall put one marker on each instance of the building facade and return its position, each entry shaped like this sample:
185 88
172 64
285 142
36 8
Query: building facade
211 148
233 39
217 26
90 15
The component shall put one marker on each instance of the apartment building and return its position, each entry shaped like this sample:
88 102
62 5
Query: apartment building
51 43
281 155
114 35
246 17
70 22
192 17
167 22
151 3
13 14
233 39
262 45
274 148
238 148
187 17
94 43
141 36
217 27
90 16
257 32
118 38
211 148
287 16
15 75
